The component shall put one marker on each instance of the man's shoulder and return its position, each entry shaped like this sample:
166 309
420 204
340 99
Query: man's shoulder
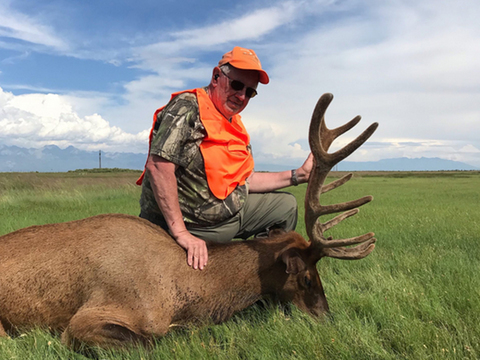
178 121
187 99
187 96
182 106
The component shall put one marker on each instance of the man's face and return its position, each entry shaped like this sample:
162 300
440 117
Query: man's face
228 101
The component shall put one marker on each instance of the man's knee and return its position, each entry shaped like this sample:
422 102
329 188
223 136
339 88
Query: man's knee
277 210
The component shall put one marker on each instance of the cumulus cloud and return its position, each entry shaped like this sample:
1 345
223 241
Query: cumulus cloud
36 120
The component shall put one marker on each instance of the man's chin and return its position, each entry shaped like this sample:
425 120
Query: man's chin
234 109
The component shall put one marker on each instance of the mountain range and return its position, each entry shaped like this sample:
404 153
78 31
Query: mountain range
51 158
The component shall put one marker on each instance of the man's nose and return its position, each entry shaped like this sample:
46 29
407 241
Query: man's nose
241 94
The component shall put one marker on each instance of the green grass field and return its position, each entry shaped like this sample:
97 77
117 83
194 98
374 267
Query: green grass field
417 296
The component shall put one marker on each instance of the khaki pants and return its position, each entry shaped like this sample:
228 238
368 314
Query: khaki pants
261 213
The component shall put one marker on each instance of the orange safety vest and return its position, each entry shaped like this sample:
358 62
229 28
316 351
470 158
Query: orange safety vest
228 162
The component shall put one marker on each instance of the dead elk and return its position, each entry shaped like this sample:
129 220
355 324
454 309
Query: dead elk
111 279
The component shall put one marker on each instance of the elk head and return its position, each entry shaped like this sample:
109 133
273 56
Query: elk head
301 263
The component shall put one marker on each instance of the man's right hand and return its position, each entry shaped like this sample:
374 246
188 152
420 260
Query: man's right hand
197 254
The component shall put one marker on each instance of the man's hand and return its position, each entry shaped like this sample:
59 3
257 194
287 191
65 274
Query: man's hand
304 171
266 182
197 254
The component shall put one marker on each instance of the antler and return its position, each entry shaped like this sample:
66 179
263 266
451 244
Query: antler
320 139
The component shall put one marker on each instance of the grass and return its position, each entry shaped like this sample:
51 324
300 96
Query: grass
415 297
40 198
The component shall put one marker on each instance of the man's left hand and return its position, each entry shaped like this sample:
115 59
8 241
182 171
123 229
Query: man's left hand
304 171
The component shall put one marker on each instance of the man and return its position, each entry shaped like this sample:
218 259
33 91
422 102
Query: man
199 182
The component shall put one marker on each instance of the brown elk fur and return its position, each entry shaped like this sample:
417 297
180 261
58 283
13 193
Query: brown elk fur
114 278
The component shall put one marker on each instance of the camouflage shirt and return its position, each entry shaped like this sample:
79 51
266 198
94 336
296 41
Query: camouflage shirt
176 137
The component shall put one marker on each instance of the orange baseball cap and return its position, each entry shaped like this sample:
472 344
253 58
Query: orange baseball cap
244 59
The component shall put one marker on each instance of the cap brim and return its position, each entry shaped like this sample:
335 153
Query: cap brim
263 78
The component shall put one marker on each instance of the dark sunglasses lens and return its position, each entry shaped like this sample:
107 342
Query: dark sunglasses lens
237 85
250 92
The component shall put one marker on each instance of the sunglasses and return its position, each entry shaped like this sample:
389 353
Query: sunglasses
238 86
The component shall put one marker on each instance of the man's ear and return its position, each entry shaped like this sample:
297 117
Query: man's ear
294 261
215 74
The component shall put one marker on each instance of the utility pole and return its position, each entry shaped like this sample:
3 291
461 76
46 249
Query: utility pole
100 159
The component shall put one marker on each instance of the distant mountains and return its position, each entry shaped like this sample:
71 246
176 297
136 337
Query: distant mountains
53 159
405 164
397 164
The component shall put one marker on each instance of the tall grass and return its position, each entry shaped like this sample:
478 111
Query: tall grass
415 297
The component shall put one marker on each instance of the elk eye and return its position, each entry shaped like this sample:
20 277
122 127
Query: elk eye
308 282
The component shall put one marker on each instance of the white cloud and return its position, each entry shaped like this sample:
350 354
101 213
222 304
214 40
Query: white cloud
19 26
36 120
469 149
250 26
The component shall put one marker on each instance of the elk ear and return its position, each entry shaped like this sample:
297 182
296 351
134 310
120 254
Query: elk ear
294 261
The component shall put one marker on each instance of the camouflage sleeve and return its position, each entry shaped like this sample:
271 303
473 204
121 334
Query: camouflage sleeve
180 130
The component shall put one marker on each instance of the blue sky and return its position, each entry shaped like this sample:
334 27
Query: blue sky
91 74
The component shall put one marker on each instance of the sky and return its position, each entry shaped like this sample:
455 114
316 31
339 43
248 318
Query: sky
90 74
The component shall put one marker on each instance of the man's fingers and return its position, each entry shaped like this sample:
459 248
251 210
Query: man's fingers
197 254
190 257
202 262
205 258
197 258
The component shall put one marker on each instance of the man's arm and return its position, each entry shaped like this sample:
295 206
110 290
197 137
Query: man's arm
266 182
164 186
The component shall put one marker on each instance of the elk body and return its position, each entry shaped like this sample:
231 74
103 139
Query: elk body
114 278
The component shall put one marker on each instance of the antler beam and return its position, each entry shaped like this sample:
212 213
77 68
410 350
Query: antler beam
320 139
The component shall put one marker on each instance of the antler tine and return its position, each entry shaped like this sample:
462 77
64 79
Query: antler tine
336 183
320 138
352 253
348 149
